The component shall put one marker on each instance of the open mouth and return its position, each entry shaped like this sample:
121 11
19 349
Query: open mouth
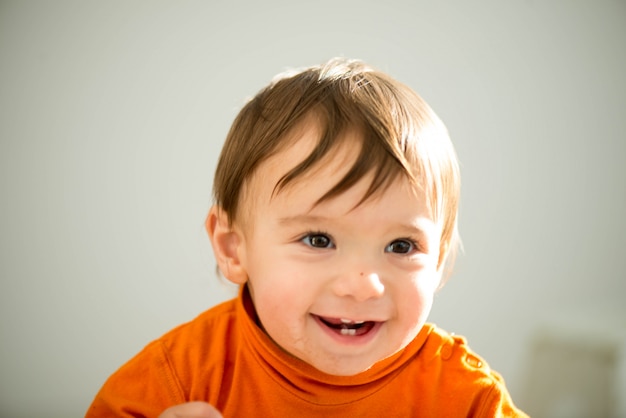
346 326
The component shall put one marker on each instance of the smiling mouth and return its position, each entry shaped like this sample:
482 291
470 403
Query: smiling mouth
347 327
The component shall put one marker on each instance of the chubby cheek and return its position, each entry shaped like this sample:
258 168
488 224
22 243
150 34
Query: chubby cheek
282 318
281 299
416 301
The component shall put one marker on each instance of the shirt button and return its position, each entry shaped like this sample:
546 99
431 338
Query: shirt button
446 351
473 361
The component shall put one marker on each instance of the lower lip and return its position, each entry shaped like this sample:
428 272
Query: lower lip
349 339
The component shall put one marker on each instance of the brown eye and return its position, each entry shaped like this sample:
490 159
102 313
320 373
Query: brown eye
318 241
400 247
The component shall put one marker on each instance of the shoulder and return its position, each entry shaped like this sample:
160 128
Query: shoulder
191 340
461 374
204 338
452 353
203 328
162 374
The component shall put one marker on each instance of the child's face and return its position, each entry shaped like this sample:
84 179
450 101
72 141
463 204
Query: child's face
337 285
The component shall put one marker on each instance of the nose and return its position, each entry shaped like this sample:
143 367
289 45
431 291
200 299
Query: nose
359 285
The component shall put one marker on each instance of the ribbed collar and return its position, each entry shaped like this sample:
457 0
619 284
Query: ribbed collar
305 381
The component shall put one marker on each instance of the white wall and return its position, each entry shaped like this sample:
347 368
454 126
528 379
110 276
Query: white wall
112 115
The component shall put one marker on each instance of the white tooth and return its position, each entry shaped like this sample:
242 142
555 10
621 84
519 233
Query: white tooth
348 331
349 321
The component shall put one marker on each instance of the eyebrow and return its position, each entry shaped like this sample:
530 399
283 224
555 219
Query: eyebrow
301 218
288 220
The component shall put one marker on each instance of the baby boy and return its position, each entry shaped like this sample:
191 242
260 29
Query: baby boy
336 199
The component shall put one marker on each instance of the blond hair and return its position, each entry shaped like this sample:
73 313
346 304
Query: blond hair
400 135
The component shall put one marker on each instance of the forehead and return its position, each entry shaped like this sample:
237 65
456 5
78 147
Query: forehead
313 184
300 143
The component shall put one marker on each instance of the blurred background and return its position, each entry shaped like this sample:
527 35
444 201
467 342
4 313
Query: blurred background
112 115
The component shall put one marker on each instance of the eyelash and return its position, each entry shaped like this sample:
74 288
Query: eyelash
313 234
412 242
306 239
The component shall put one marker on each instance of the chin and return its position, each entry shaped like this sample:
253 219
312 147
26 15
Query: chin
343 369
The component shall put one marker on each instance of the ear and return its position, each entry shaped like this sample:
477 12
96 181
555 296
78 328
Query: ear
227 242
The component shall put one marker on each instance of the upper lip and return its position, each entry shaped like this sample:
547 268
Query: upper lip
348 319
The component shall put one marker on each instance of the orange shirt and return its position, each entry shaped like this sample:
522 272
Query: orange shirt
224 358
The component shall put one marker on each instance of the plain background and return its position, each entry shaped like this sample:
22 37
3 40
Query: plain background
112 115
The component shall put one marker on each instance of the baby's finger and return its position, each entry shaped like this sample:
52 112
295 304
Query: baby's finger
191 410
